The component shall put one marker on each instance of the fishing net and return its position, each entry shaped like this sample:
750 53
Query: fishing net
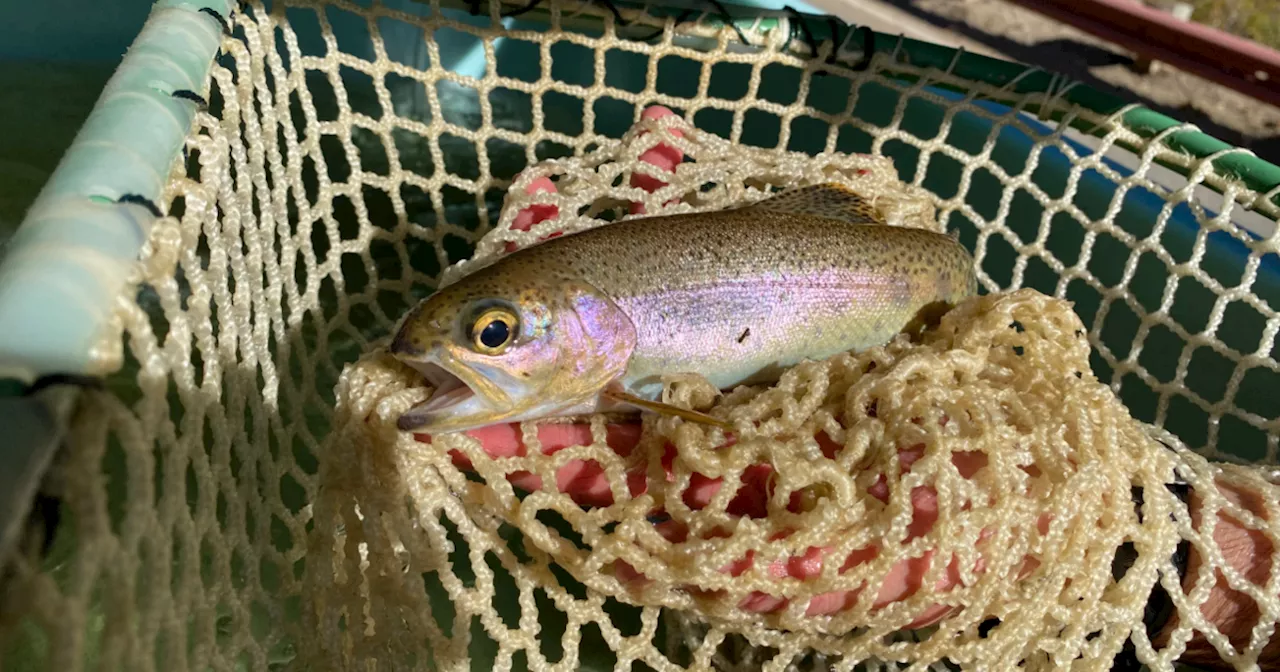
238 496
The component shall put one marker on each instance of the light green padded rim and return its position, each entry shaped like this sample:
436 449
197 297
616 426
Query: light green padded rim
67 263
64 268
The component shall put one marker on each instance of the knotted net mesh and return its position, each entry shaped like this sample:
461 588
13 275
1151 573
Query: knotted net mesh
238 496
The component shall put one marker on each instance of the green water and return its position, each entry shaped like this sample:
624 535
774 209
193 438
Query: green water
42 105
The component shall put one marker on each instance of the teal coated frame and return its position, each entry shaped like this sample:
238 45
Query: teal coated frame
63 270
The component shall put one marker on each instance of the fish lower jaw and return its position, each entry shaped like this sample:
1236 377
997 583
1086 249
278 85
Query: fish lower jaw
449 391
460 409
450 399
455 410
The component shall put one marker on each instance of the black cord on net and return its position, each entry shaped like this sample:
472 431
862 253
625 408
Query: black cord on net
723 14
222 21
187 94
868 43
474 6
617 15
798 21
834 24
517 12
60 379
475 10
145 202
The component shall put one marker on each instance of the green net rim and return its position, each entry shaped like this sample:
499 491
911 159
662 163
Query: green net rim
1007 83
1016 80
98 152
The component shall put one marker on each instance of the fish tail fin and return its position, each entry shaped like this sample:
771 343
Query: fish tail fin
668 409
830 200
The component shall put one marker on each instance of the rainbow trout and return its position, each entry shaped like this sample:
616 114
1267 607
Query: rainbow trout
590 322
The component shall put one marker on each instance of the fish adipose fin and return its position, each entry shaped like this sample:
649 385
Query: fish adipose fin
829 200
667 409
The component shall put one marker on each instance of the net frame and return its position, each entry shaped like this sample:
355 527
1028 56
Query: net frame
61 339
76 201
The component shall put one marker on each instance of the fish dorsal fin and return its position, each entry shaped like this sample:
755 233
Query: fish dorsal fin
830 200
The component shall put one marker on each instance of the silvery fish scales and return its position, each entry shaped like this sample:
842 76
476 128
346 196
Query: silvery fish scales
734 295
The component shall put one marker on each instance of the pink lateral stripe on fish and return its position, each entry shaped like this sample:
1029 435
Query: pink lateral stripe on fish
589 322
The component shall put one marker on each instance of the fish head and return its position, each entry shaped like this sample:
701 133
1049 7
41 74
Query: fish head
507 347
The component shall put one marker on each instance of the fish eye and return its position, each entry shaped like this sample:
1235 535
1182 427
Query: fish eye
494 331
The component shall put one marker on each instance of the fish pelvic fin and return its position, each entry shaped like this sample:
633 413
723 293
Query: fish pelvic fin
667 409
830 200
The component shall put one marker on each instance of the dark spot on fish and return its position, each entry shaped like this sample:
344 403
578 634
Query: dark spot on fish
524 374
1017 350
745 333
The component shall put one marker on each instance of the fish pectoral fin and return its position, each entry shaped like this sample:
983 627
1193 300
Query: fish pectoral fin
830 200
926 319
667 409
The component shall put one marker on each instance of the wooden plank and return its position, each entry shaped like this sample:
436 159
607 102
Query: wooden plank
1223 58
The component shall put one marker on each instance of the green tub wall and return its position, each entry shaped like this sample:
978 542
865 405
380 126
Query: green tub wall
1242 327
57 56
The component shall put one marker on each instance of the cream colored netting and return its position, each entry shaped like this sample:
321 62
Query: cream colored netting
225 506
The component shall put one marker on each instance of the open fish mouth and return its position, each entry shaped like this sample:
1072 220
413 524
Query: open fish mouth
449 392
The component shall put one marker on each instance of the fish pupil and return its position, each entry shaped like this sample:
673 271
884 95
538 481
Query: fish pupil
495 334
